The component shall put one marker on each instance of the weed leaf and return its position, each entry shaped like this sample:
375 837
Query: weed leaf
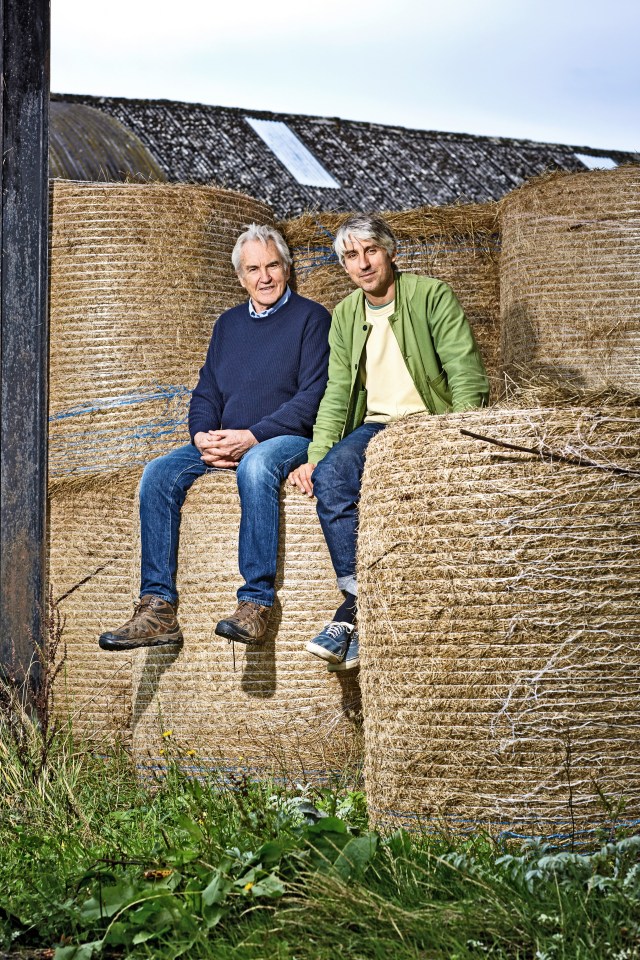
355 856
83 951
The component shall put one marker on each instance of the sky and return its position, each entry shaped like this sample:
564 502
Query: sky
559 71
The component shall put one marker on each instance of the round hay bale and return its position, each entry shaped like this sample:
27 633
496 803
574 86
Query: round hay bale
499 620
569 287
457 244
90 556
139 274
272 708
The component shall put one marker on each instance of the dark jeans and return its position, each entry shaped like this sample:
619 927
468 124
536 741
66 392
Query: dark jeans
336 485
163 489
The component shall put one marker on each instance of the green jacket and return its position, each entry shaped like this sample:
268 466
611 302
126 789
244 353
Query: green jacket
436 342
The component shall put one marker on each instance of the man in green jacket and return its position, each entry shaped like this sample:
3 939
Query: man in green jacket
400 344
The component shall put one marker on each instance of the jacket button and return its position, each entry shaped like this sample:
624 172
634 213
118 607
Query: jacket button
364 327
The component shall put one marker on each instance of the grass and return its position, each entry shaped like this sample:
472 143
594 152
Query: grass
96 863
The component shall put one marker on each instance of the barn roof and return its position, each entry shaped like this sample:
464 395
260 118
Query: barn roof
90 144
297 163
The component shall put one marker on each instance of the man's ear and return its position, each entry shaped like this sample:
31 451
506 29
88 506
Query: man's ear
241 281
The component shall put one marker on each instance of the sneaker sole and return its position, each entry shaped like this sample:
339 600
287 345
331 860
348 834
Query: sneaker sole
323 653
112 643
231 632
345 665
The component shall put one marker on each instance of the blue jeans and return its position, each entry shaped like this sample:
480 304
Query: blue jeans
259 474
336 485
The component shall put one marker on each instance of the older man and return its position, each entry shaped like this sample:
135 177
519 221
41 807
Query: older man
400 344
252 411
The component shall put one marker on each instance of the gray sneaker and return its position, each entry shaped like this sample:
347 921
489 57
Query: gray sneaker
333 641
352 656
153 624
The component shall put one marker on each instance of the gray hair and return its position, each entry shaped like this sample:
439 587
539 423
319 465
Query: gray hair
264 234
364 226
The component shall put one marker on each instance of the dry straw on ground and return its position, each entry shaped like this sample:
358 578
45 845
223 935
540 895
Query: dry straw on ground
458 244
92 538
499 619
277 709
139 273
569 279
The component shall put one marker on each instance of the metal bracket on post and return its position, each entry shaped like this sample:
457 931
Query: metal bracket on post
24 122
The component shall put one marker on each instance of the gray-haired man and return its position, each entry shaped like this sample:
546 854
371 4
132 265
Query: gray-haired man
252 411
400 344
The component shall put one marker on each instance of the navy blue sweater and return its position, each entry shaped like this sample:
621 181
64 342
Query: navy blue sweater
267 375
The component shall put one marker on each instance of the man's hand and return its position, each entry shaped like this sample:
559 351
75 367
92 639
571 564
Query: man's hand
301 478
224 448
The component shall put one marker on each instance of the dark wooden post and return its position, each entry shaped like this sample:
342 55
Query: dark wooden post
24 121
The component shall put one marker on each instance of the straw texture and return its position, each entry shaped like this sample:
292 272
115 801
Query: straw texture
91 534
279 710
499 620
569 281
139 273
457 244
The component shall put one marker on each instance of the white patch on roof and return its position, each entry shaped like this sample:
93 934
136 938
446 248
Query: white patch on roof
596 163
290 151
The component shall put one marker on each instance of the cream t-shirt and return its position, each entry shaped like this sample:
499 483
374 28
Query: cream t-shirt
391 392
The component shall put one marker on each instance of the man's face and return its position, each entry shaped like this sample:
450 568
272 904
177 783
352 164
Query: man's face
262 273
370 267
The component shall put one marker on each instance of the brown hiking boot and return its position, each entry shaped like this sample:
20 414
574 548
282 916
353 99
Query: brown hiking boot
247 624
153 624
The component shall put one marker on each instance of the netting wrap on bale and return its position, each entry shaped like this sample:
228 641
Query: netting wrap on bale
271 707
92 542
569 279
457 244
499 620
139 274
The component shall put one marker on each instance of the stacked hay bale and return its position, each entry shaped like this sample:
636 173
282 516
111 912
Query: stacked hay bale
268 708
91 549
139 273
569 287
457 244
498 614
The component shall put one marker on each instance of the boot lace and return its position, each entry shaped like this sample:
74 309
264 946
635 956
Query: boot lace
334 628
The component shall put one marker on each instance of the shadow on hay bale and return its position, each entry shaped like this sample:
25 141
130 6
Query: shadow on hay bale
90 556
457 244
139 274
272 707
569 287
499 620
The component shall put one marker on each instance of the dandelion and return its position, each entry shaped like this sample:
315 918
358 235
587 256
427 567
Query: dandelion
247 887
167 734
191 753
